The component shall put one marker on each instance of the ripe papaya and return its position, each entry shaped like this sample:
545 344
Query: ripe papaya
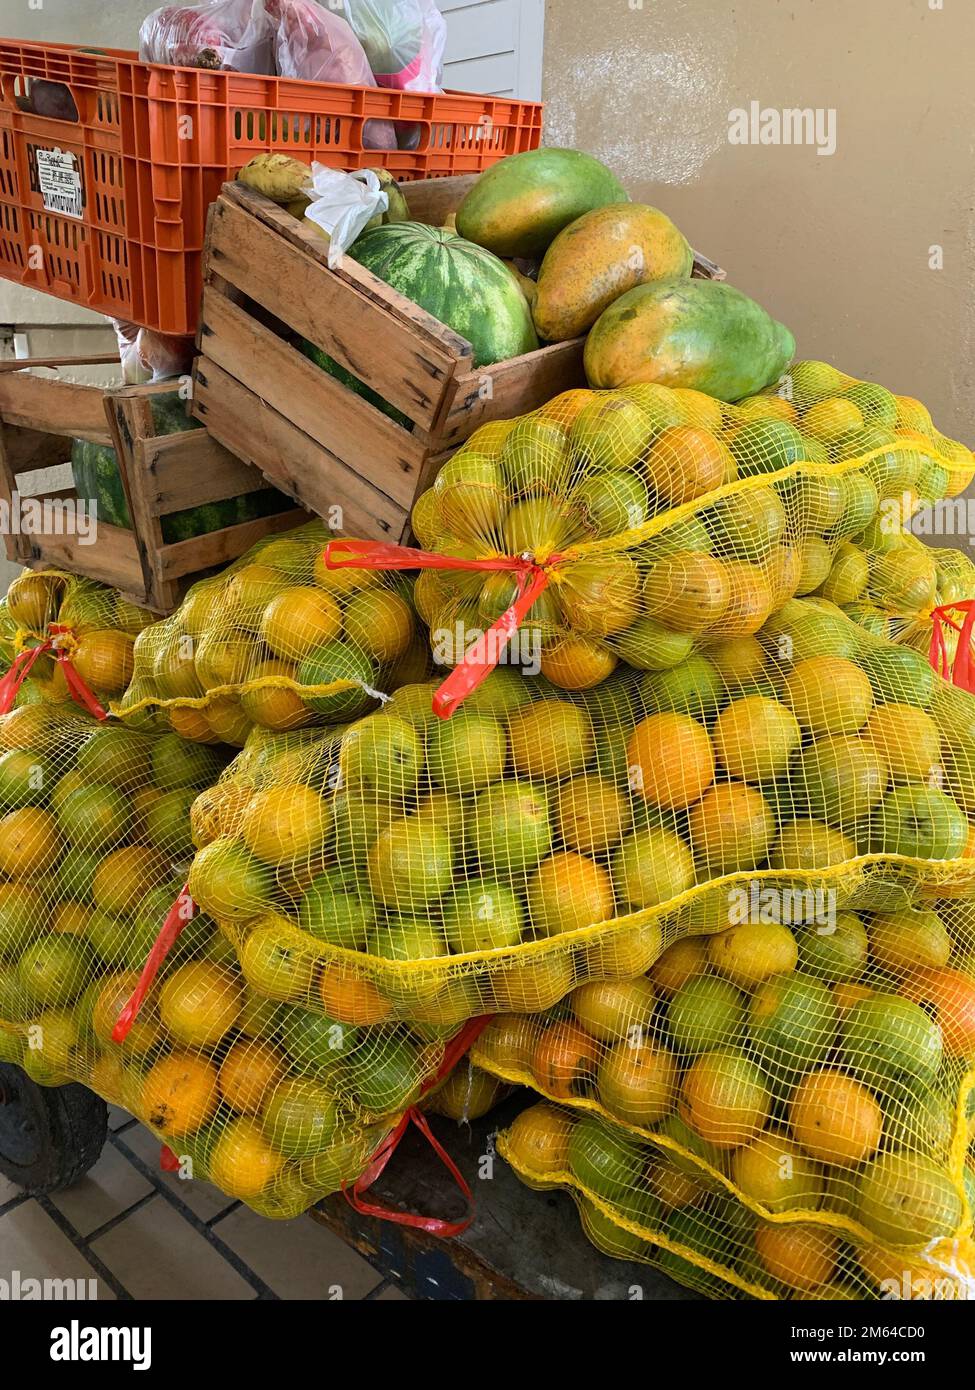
600 256
519 205
702 334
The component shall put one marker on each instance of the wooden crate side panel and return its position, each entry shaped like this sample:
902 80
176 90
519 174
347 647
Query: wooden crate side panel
511 388
292 461
190 470
220 547
350 429
406 368
54 407
113 559
433 200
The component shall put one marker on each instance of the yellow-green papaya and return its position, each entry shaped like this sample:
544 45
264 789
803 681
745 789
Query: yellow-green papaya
519 205
702 334
600 256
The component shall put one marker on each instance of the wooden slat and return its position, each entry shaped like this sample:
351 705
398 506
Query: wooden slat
345 425
192 469
113 559
28 450
290 460
518 385
432 200
219 547
54 407
407 368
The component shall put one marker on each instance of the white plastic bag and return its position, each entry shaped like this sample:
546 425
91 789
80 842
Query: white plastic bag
148 356
317 45
234 35
404 41
344 204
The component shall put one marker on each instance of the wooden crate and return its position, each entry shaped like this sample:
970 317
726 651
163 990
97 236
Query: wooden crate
39 418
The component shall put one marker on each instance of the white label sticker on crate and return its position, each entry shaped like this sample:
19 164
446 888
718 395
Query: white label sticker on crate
60 182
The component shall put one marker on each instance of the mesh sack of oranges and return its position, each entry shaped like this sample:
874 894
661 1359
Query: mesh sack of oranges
641 1199
272 1101
616 527
443 869
276 641
63 637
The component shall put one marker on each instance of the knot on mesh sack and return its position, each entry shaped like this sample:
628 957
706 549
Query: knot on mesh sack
483 655
960 669
455 1049
61 643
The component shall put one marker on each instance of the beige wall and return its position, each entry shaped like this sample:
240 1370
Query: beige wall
836 246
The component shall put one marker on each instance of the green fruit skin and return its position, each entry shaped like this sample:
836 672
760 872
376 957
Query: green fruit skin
702 334
462 285
519 205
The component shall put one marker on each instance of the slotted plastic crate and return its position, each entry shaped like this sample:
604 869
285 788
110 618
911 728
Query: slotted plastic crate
108 165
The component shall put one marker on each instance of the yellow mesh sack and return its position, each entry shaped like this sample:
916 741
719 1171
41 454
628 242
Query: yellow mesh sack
276 641
55 625
272 1101
640 1200
619 526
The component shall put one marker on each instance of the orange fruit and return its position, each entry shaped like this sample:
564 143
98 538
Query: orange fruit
538 1140
755 737
550 738
114 994
750 600
670 760
248 1074
298 620
569 892
242 1162
637 1082
179 1093
564 1055
125 876
950 994
680 963
688 592
272 706
71 918
754 951
577 663
835 1118
379 623
350 999
284 823
200 1002
907 739
104 661
29 842
531 985
509 1041
829 695
191 724
801 1257
687 462
765 408
592 815
217 811
33 600
724 1099
731 827
600 596
850 992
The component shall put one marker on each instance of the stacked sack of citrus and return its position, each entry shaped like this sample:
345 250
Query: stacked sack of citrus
273 1101
90 627
631 524
276 641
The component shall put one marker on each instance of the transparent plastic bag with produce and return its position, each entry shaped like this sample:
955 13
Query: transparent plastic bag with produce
642 1199
404 41
63 637
226 35
277 642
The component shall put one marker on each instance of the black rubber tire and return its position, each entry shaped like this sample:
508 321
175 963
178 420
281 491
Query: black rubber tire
49 1135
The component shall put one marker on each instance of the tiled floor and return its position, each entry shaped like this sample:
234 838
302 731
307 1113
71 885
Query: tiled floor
142 1233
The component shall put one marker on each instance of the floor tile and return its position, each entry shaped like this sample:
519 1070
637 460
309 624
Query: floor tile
392 1294
298 1259
156 1253
8 1190
109 1188
117 1117
203 1199
32 1244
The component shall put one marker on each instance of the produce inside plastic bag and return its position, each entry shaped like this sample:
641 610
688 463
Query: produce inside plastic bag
233 35
318 45
404 41
148 356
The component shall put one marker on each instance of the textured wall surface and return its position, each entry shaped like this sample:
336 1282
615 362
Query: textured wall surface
835 245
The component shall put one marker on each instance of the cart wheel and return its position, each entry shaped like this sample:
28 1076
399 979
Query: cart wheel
49 1135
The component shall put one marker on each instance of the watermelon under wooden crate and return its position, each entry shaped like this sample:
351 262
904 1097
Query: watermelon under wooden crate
161 474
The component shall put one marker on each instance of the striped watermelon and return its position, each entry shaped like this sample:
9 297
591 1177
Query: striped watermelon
462 285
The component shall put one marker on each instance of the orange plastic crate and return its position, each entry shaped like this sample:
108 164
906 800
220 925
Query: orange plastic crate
116 219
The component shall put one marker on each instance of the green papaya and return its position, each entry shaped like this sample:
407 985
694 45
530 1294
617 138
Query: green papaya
702 334
600 256
519 205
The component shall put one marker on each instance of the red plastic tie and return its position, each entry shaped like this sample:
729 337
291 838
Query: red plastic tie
23 664
961 670
168 1161
182 911
483 655
433 1225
